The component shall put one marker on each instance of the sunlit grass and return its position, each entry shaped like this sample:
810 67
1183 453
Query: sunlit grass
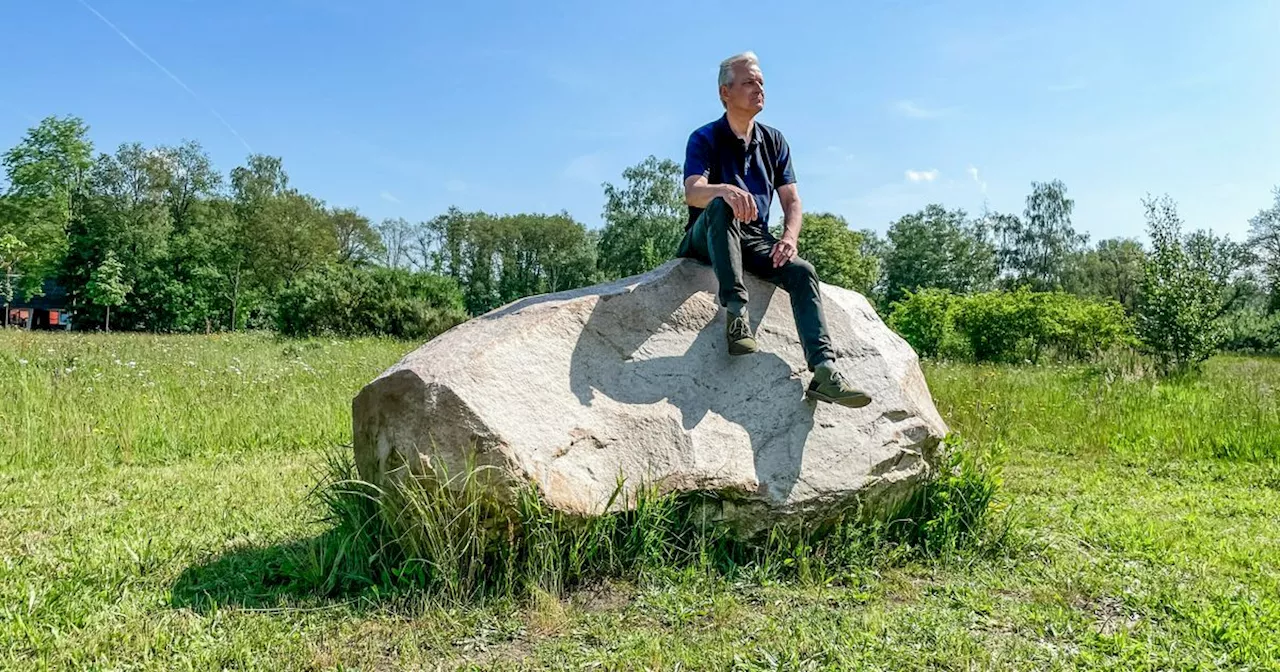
1147 516
91 400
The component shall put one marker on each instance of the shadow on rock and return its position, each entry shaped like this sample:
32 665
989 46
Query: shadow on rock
625 353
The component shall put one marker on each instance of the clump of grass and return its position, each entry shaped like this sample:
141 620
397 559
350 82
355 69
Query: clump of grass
956 511
452 536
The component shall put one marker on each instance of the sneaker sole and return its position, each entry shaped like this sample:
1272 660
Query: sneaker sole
852 402
740 350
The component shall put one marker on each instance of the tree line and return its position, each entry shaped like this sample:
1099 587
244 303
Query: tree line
155 238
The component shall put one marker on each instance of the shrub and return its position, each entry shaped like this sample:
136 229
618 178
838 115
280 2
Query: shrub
1001 326
923 319
1077 328
1180 301
1251 331
1005 326
347 301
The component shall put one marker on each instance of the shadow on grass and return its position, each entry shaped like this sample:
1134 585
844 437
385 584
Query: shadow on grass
256 577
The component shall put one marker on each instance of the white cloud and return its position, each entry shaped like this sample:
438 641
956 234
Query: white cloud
388 197
922 175
455 186
973 173
911 110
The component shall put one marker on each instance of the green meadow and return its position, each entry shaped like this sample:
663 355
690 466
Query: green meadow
157 492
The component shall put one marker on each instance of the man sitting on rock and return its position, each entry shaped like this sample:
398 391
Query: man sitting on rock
732 167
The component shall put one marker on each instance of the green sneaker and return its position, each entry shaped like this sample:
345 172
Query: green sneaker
738 332
830 386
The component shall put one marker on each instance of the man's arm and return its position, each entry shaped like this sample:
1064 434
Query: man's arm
698 194
792 215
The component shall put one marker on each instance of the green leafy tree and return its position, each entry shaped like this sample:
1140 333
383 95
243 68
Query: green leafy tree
1181 301
358 242
107 286
253 186
297 237
644 219
187 177
836 251
46 172
283 232
1112 269
1264 237
499 259
204 257
190 292
938 248
1035 250
124 212
12 252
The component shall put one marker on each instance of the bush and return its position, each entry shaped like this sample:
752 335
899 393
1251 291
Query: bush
1251 331
1181 299
346 301
924 319
1003 326
1083 329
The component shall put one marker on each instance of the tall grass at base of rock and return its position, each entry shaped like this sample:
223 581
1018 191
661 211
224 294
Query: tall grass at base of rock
451 535
957 510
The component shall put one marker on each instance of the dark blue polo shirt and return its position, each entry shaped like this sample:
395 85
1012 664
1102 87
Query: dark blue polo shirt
758 167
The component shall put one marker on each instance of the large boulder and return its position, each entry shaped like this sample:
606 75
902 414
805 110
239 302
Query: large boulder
631 380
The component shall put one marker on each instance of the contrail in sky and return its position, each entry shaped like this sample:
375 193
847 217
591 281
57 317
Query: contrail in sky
165 70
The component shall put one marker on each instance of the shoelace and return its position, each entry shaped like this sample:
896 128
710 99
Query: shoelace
838 379
738 328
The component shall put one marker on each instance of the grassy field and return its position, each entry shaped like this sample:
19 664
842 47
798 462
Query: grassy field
151 488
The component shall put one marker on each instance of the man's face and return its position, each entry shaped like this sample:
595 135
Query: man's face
746 93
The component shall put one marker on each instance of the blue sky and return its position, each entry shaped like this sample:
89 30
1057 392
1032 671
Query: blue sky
405 108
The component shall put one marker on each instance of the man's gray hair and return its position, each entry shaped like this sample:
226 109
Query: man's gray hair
728 64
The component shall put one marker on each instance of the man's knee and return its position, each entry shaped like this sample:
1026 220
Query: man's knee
719 213
803 269
800 273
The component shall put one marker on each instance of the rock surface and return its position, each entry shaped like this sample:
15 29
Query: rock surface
631 379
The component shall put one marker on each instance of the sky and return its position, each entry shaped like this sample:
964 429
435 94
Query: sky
403 109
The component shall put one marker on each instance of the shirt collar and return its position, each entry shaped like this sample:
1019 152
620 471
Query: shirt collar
756 134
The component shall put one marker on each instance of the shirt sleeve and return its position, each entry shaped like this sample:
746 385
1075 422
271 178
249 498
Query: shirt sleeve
697 157
784 172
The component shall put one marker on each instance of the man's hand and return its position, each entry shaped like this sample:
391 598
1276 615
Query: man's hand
742 203
783 251
698 194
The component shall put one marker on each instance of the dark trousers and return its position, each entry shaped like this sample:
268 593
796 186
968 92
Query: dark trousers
730 248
